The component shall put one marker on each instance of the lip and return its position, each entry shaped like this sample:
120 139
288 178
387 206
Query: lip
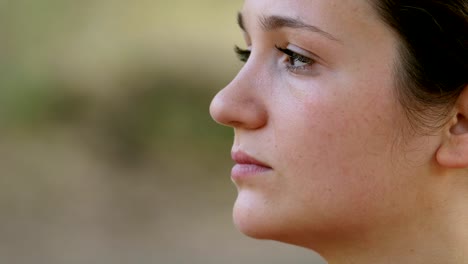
246 166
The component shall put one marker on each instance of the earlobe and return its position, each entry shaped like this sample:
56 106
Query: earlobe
453 152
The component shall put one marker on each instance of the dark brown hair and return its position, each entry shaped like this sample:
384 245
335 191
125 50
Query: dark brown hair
433 66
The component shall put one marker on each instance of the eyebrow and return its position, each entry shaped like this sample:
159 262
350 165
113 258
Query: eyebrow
269 23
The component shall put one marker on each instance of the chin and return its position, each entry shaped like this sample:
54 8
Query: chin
258 223
252 227
258 217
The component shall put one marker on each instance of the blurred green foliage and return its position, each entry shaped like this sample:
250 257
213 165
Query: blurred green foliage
102 65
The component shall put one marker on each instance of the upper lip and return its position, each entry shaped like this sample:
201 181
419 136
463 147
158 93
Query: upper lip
241 157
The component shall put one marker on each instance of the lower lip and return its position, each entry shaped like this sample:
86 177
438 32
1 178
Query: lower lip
240 171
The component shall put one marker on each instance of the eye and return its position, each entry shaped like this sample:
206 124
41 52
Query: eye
242 54
296 62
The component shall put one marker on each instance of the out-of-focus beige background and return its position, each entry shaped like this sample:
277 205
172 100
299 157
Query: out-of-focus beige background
107 150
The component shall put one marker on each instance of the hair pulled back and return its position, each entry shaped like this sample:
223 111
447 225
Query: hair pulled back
432 69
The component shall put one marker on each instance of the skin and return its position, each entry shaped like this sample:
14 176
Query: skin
349 178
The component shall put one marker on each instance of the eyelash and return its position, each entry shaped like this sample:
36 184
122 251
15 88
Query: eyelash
293 58
242 54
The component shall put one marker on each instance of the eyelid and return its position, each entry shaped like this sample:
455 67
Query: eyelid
304 53
298 64
294 55
308 60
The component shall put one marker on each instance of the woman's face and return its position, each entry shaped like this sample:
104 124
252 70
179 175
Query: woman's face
315 109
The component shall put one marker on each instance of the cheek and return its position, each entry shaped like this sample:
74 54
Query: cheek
336 153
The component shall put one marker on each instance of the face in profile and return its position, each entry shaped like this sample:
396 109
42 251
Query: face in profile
321 145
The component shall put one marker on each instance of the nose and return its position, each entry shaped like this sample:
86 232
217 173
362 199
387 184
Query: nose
240 104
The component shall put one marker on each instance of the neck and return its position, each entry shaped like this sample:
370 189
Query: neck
434 235
423 246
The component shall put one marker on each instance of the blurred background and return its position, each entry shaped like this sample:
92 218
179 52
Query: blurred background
107 150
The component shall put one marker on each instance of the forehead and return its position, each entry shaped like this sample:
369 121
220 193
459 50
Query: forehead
342 18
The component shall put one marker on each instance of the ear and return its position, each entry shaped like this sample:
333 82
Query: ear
453 152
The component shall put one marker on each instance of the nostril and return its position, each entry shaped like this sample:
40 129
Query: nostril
234 124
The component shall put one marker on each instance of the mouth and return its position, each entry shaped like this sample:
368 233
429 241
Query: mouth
246 166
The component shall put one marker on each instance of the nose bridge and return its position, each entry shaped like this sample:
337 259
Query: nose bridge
241 103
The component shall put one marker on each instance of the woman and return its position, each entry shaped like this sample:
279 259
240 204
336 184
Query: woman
351 128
